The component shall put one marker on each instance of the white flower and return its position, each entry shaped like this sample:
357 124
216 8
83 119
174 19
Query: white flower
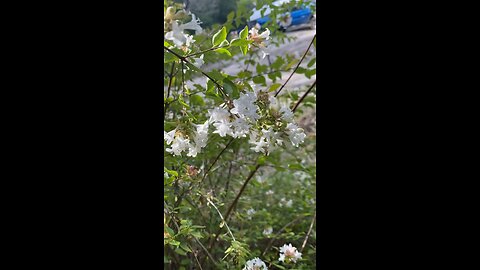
260 179
267 133
269 192
264 54
295 134
287 114
201 135
268 231
168 136
260 145
194 24
193 151
218 115
259 39
189 40
176 35
241 127
253 137
222 128
255 264
289 253
202 128
250 213
289 203
179 145
284 202
198 62
273 101
244 106
276 137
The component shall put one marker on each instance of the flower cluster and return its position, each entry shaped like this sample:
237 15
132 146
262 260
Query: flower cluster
289 253
250 213
259 40
175 29
181 142
256 115
268 231
255 264
284 202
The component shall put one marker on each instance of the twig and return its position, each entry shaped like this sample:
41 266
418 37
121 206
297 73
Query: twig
303 57
279 232
215 161
227 215
309 231
183 58
168 90
229 211
224 221
207 50
196 239
304 95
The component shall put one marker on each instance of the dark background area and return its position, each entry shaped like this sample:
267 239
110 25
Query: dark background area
85 189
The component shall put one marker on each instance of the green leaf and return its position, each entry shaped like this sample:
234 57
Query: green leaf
240 42
174 243
223 51
261 68
169 57
278 63
230 16
300 70
295 166
310 73
216 75
169 231
274 75
230 88
210 85
180 251
219 36
197 100
185 247
244 49
259 80
312 62
274 87
244 74
224 43
192 67
170 172
244 33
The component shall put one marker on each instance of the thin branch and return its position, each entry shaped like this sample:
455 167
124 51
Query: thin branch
183 58
168 90
227 215
230 208
215 161
206 251
280 231
224 221
309 231
199 265
207 50
303 57
172 217
304 95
